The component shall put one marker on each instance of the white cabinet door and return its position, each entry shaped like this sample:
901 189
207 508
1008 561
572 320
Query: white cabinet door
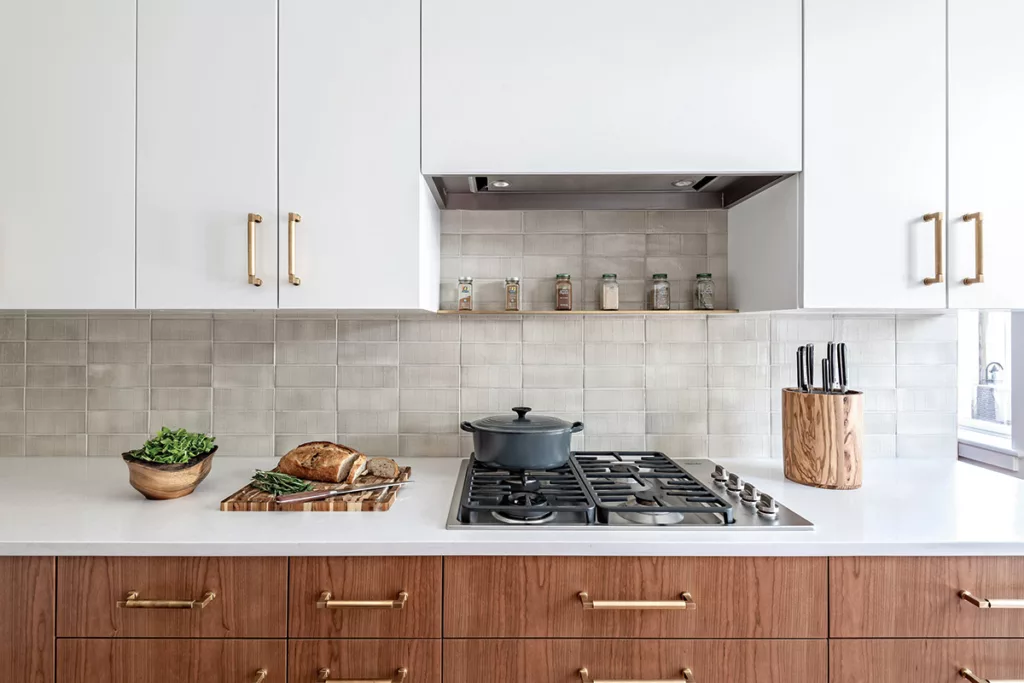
67 154
605 86
207 153
874 152
986 149
349 157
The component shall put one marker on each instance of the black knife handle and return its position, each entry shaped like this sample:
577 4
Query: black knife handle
843 381
801 369
810 366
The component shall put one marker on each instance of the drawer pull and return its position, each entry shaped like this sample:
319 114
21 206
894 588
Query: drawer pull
994 603
325 602
261 675
972 678
132 601
687 678
685 601
325 677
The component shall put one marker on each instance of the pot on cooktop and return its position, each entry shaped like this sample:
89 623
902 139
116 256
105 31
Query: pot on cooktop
524 442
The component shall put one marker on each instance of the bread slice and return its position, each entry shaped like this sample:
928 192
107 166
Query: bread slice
357 467
320 461
383 467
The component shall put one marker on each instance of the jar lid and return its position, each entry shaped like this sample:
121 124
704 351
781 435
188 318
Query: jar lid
511 279
465 278
562 276
703 276
609 276
521 423
661 276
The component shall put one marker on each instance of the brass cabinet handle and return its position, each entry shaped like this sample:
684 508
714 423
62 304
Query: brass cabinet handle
585 678
261 675
685 601
293 218
254 218
973 678
132 601
939 276
325 677
325 602
993 603
979 250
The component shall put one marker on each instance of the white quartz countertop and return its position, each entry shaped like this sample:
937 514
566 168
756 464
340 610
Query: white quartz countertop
81 506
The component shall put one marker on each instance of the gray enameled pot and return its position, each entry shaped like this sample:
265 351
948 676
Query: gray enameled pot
538 442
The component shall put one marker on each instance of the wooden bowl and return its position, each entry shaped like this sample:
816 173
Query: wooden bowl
164 481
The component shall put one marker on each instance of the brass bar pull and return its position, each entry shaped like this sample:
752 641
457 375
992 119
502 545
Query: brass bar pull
254 218
261 675
939 276
685 601
326 602
293 218
993 603
132 601
974 678
325 677
979 249
687 678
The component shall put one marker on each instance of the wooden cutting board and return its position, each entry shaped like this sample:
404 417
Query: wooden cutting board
249 499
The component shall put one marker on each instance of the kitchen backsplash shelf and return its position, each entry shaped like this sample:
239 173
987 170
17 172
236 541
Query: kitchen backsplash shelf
622 312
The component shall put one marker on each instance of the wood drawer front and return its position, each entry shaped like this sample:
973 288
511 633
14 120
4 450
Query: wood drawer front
26 619
538 597
917 597
370 579
927 661
150 660
710 661
364 659
250 597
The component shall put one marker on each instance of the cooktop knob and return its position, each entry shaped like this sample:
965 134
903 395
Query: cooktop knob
719 475
766 506
750 493
735 484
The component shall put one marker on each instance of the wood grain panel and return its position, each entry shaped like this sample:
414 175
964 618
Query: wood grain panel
365 578
26 619
250 602
372 659
822 437
537 597
927 661
144 660
917 597
711 661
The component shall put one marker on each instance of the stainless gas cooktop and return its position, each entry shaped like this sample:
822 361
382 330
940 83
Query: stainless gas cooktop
602 489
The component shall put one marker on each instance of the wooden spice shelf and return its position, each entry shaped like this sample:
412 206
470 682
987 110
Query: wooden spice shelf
574 312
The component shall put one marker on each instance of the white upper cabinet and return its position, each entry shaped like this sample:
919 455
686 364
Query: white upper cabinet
207 153
874 153
606 86
986 149
67 154
368 237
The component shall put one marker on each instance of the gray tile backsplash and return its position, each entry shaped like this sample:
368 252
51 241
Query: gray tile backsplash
98 383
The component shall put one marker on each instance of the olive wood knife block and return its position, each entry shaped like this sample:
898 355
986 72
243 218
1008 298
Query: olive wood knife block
822 438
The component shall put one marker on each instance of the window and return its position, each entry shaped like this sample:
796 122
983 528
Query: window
985 372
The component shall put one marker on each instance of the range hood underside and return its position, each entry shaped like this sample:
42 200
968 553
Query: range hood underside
595 192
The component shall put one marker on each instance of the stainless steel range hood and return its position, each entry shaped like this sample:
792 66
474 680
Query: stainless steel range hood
625 191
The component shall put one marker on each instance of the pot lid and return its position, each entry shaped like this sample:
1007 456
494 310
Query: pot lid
521 423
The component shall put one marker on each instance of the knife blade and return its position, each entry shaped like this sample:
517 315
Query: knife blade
843 382
308 496
801 369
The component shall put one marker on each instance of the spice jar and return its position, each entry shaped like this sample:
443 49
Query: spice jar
609 292
658 295
563 292
704 293
511 294
465 293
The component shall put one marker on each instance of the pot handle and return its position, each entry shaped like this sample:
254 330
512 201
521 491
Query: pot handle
521 412
576 427
467 426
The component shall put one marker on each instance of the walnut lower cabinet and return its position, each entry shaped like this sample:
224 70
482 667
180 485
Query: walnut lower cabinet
368 661
26 619
937 660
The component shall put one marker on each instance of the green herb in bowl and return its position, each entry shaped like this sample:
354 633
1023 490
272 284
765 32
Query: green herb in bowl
177 446
278 483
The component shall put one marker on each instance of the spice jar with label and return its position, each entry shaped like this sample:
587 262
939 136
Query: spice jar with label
512 294
658 296
704 293
609 292
563 292
465 293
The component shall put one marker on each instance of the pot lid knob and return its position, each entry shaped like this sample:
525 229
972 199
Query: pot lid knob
521 412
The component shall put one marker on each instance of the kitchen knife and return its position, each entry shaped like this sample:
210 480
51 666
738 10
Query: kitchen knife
308 496
801 369
843 382
810 367
830 355
824 376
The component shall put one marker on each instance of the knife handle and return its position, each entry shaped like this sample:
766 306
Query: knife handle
801 369
843 382
810 366
307 496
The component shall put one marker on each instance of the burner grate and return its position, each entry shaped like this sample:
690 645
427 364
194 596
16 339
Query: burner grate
645 482
523 495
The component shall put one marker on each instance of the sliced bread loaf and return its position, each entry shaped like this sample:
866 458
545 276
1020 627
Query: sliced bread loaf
383 467
320 461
